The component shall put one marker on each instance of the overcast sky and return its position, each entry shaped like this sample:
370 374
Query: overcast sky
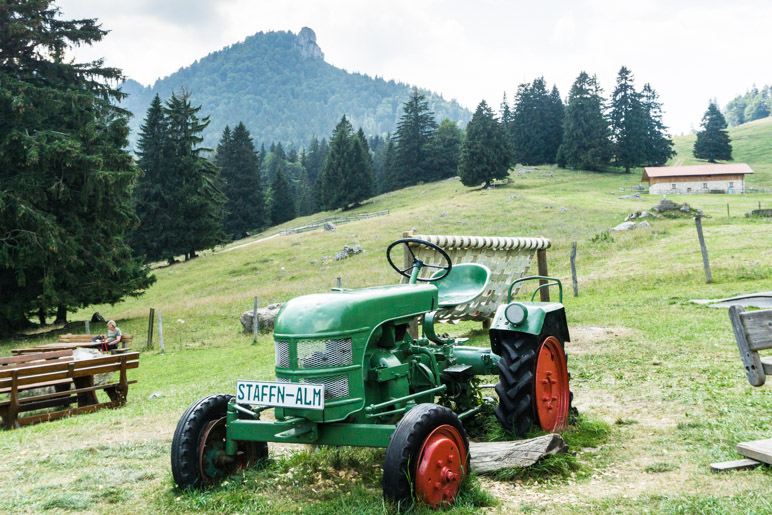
690 51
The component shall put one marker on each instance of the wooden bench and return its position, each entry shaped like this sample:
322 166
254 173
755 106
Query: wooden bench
73 382
86 338
507 258
753 332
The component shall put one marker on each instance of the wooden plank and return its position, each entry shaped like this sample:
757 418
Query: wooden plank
759 450
754 369
39 385
487 457
743 464
9 360
758 328
42 368
45 417
703 248
103 369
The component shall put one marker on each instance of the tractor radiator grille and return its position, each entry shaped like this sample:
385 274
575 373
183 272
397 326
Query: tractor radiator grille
282 354
324 353
335 387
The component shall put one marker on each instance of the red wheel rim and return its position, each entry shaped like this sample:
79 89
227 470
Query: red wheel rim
441 466
551 394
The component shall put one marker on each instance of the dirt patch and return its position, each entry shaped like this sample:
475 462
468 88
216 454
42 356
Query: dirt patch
595 340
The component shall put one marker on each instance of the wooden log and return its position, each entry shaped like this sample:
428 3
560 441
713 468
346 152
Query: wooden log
487 457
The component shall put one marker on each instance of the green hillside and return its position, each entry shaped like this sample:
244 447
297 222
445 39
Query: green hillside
279 85
661 374
751 143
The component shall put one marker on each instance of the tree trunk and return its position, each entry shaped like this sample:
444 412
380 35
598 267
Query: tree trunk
61 315
42 316
627 169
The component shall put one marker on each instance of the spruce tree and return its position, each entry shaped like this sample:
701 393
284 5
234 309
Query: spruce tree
444 150
628 123
507 118
336 167
586 143
659 146
238 162
389 180
485 154
713 141
65 204
282 204
194 192
305 201
150 238
414 129
536 123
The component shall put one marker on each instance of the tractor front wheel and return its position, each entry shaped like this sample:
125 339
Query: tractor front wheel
198 446
533 383
427 456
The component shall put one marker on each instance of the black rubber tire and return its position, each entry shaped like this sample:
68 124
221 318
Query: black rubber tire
517 368
399 467
515 386
187 438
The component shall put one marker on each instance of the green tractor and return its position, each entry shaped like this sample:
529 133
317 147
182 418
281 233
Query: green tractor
348 372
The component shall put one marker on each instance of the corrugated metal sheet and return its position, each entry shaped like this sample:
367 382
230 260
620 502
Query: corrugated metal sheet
688 171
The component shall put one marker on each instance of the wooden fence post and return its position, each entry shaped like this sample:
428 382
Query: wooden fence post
255 323
339 283
88 329
161 332
150 323
541 260
698 223
573 269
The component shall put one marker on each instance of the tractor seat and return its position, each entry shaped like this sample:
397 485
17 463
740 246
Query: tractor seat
463 284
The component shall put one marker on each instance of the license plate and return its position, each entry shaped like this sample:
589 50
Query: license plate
280 395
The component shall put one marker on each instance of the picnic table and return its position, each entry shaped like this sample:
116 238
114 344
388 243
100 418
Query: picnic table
73 341
22 376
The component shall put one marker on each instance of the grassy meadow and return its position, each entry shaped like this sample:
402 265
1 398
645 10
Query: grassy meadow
657 380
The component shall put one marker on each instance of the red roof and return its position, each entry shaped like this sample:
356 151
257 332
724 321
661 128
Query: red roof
686 171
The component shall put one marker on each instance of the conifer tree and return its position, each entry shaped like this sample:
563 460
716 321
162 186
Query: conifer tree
243 189
507 118
150 196
304 198
389 181
586 142
444 150
282 204
413 132
347 177
659 146
628 123
65 204
485 154
713 141
536 123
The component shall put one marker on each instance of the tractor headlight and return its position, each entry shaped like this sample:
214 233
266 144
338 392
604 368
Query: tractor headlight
515 313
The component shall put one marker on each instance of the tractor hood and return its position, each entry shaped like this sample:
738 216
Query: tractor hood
352 311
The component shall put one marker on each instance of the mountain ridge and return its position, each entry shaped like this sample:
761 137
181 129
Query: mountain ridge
279 85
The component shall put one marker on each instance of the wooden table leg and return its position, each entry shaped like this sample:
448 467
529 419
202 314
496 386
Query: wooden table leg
85 398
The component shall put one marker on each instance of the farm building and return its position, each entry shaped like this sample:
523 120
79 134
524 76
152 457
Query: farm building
716 178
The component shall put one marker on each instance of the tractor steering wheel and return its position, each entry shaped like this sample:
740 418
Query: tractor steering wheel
417 262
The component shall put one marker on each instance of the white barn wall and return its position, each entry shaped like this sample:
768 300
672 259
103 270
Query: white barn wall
662 188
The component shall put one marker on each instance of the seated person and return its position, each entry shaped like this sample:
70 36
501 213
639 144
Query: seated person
113 338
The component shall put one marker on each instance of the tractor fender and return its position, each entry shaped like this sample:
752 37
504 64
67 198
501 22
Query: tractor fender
541 315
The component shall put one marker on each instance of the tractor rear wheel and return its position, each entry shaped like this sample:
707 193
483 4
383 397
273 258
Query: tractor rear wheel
427 456
533 383
198 447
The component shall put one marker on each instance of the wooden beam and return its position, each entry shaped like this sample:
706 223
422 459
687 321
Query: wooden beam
541 260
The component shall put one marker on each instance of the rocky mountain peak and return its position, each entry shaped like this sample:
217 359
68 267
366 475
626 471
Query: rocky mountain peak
306 44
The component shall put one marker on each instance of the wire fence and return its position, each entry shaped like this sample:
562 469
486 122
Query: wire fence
337 220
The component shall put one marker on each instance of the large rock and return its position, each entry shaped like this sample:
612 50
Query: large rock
624 226
347 252
265 316
666 205
329 226
306 44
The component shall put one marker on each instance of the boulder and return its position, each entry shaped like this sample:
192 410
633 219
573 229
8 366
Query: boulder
347 252
96 318
329 226
665 205
265 317
643 225
636 196
624 226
